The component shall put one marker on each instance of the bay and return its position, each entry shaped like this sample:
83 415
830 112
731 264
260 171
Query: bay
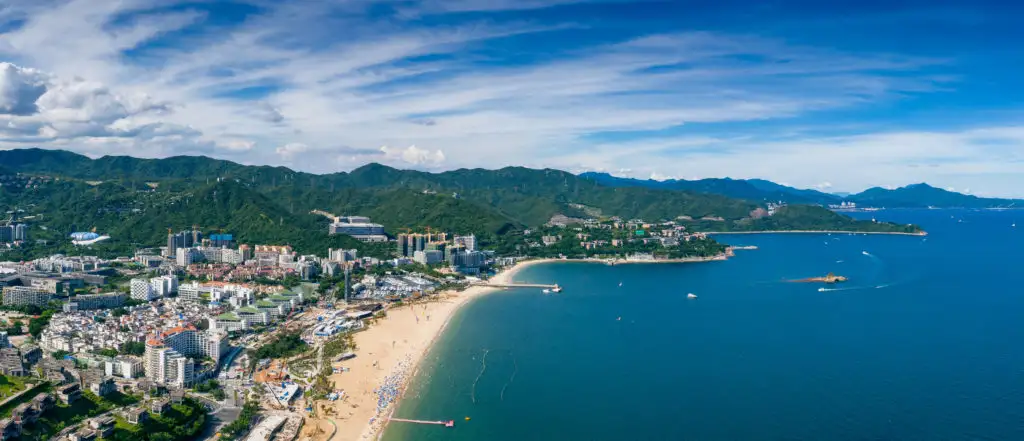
923 343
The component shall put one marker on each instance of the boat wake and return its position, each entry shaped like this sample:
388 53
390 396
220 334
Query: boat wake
483 367
515 368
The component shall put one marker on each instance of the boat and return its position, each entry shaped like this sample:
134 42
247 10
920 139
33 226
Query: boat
620 283
821 290
556 289
691 296
546 291
618 319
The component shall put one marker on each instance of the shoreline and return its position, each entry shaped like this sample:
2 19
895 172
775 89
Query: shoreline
890 233
391 352
378 364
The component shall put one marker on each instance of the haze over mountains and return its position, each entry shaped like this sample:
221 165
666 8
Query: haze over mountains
912 196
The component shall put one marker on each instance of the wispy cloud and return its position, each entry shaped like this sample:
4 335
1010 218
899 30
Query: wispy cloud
290 82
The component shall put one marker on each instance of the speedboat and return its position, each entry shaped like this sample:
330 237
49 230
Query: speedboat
691 296
821 290
546 291
556 289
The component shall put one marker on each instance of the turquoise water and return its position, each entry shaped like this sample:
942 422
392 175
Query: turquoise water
926 342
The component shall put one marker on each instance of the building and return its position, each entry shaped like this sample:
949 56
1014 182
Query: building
102 386
9 429
103 425
69 393
136 415
169 358
97 301
342 255
141 289
467 242
467 261
26 295
164 286
428 257
364 231
185 256
44 402
11 363
25 413
124 367
13 233
159 406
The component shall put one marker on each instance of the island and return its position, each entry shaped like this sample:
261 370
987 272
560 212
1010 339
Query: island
829 278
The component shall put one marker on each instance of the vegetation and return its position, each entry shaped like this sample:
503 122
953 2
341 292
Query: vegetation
182 422
10 386
133 348
284 345
106 352
241 424
58 355
36 325
272 205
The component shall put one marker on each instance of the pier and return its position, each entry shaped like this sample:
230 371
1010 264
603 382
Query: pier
449 423
518 285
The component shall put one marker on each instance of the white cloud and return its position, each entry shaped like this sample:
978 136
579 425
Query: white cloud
413 155
286 81
19 89
288 151
237 145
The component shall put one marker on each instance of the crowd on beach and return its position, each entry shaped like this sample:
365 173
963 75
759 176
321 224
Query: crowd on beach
390 389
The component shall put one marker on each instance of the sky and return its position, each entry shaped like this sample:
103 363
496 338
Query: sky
837 96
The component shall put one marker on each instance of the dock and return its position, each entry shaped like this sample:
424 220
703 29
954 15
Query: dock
448 423
518 285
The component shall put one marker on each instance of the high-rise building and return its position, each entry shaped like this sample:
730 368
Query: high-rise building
169 357
26 295
141 289
467 241
421 242
21 232
171 245
402 245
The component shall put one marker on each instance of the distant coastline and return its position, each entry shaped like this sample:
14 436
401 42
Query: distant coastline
895 233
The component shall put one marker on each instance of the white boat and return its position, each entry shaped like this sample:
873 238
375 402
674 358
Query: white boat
620 283
691 296
546 291
821 289
556 289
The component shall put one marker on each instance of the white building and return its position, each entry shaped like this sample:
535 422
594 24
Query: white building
469 242
124 367
164 286
26 295
169 358
142 290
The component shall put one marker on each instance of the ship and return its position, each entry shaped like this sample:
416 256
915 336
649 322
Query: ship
691 296
556 289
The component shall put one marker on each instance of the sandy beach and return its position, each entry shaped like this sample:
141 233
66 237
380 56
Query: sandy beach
387 356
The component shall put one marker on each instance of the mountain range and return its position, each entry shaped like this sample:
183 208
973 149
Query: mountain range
912 196
136 200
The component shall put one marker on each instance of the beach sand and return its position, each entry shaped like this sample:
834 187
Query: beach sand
387 354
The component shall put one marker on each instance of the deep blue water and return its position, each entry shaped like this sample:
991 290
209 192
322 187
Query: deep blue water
926 342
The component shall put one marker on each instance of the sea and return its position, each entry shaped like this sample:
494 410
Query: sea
924 342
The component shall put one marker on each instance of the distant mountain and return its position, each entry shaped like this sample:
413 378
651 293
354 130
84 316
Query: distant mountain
757 190
138 199
924 195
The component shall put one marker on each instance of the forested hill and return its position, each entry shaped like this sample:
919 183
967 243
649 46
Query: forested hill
924 195
912 196
137 200
749 189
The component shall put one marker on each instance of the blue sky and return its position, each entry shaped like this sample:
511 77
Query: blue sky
831 95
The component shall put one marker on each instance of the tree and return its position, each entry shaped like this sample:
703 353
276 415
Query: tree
133 348
15 329
117 312
59 354
107 352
